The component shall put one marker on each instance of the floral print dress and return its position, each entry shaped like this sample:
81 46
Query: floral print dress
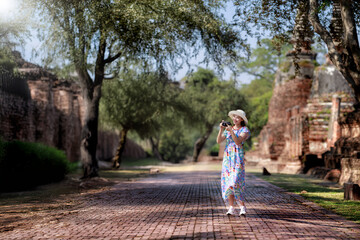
233 167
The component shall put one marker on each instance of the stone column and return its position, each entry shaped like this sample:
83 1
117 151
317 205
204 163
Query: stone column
334 132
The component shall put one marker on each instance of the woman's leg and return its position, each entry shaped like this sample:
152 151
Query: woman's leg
241 203
231 211
231 200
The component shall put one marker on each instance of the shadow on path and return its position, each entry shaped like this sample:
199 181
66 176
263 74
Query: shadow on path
187 205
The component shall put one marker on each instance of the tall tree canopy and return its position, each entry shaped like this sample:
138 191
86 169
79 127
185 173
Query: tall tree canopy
335 21
262 65
95 34
134 101
13 31
211 100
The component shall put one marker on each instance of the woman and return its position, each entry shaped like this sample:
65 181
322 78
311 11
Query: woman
233 167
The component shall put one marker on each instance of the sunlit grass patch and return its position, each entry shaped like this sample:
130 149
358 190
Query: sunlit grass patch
326 194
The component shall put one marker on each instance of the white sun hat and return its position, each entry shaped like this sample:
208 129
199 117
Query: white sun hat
240 113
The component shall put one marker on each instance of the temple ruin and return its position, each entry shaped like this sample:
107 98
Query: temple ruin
311 120
36 106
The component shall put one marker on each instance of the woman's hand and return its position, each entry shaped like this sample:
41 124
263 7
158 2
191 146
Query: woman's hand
228 128
221 126
220 136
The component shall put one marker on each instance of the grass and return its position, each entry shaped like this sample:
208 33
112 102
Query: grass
117 175
130 162
324 193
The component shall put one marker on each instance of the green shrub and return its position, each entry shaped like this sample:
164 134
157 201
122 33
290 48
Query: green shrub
175 146
24 165
214 150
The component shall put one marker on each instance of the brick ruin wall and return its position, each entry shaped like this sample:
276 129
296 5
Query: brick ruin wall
346 150
306 122
49 110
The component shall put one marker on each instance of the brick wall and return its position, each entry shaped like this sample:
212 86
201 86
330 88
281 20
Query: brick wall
49 110
303 120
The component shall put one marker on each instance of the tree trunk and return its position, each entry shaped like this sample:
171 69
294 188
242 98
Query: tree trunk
120 149
155 149
346 54
89 134
199 144
351 54
91 90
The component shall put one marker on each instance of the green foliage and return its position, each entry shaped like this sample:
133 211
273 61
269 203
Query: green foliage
97 36
24 165
175 145
174 136
264 59
214 150
13 30
146 29
10 79
263 63
256 88
255 18
259 112
7 63
133 100
211 99
149 104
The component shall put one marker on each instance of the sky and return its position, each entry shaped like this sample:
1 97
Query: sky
227 74
8 7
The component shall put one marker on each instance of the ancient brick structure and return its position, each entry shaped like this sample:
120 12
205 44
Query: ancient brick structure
303 127
311 119
345 153
38 107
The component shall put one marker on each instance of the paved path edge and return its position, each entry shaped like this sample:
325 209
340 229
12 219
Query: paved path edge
349 223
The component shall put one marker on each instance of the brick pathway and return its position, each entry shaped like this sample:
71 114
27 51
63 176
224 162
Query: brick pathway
187 206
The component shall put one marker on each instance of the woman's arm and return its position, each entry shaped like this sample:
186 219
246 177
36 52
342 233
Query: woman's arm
220 136
238 140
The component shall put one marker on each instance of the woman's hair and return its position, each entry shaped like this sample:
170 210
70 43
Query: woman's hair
243 123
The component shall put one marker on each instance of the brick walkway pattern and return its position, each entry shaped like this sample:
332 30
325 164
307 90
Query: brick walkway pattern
188 206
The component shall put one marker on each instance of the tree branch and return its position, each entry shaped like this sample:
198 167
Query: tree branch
100 62
318 27
113 58
351 38
251 73
334 54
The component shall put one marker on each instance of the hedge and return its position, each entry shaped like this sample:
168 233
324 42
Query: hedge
24 165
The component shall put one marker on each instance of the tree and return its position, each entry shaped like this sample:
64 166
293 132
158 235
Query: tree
337 29
262 65
211 100
175 144
341 39
95 34
13 31
133 101
264 60
170 141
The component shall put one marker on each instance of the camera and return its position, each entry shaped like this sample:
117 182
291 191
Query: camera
225 124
